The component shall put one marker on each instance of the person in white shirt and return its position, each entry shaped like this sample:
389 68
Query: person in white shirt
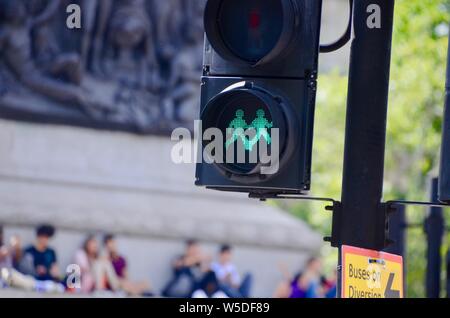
228 276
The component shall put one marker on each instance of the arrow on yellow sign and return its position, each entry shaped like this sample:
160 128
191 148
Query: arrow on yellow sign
391 293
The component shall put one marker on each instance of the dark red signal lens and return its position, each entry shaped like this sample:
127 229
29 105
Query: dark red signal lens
251 29
254 19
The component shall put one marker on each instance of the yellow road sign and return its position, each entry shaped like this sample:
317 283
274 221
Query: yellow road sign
371 274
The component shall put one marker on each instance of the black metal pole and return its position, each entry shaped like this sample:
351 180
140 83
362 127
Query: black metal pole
397 233
434 230
448 274
444 178
361 220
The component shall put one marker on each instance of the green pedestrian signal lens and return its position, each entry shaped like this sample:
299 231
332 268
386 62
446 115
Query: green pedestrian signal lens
254 127
245 122
239 126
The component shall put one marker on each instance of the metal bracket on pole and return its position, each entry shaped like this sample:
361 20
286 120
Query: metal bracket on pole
335 208
266 196
335 239
418 203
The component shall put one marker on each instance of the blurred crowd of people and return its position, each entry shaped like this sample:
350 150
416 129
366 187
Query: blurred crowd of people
100 268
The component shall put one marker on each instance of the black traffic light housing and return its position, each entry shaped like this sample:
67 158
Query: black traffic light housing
261 56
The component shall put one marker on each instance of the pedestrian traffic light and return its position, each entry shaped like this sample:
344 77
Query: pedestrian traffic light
258 91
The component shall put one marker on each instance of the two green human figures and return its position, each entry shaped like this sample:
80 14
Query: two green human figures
239 125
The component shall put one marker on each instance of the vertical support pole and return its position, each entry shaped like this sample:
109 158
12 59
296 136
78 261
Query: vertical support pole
444 178
434 230
448 274
363 219
397 233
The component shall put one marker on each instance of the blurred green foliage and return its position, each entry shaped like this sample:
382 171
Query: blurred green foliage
414 127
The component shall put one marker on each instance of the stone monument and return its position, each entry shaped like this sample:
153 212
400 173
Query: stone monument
134 65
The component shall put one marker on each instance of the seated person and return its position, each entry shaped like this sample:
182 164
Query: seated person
10 277
209 287
86 258
329 285
39 260
97 272
228 276
307 284
188 270
120 266
118 262
10 255
6 260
